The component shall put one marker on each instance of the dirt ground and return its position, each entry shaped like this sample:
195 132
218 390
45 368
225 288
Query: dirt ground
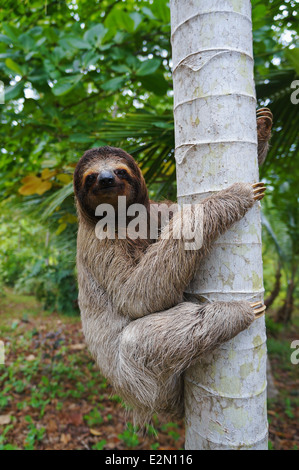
52 396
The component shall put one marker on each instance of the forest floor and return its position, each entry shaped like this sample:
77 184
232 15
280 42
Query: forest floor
52 397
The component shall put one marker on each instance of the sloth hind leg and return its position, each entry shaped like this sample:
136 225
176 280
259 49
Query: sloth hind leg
154 350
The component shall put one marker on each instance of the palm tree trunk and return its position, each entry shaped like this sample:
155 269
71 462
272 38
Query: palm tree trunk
215 146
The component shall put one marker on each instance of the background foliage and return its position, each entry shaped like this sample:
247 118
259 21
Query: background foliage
79 74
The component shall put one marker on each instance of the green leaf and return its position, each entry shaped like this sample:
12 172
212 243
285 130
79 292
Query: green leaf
137 18
14 91
155 83
81 138
65 84
11 31
148 67
119 54
119 20
27 42
132 61
161 10
114 84
12 65
149 13
120 68
5 39
78 43
40 42
259 12
4 55
38 76
163 125
55 200
90 58
293 56
95 35
37 150
57 54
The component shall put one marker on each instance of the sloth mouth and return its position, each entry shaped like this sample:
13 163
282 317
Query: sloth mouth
107 188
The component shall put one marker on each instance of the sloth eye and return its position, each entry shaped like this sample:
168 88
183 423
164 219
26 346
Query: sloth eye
90 179
120 172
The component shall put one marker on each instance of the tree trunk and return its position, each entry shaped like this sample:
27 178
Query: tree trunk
276 289
215 146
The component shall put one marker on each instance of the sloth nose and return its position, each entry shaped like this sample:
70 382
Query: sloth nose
106 178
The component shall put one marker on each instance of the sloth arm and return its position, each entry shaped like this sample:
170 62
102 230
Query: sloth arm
158 281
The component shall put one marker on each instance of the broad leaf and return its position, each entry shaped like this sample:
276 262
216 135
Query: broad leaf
78 43
114 84
95 35
12 65
148 67
14 91
293 56
155 83
118 19
66 84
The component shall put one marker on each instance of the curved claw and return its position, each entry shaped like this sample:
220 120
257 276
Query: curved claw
260 311
258 191
264 120
264 112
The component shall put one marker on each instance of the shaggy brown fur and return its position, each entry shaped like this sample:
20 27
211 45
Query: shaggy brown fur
140 331
264 125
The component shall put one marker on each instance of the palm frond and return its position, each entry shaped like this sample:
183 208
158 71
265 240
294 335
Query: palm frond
51 203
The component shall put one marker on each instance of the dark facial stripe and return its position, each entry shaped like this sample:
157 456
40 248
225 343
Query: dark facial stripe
90 180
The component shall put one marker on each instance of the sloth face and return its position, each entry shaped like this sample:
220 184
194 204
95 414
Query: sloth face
105 173
106 180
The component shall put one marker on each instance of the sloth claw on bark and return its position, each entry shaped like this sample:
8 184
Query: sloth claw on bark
258 191
259 309
264 125
264 112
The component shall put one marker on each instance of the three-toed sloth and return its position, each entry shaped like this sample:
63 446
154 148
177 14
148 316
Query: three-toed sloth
137 324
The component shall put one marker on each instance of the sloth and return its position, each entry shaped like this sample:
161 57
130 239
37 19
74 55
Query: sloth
139 327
